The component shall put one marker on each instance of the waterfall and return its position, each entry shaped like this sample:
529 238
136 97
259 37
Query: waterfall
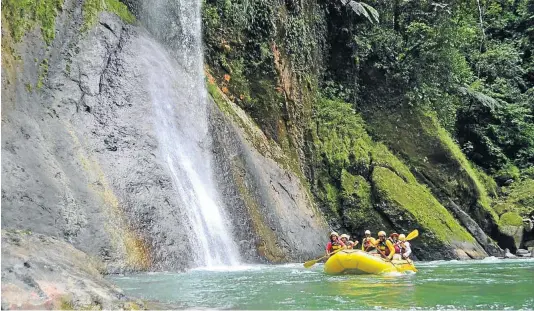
175 82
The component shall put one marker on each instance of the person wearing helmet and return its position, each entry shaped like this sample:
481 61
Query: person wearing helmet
334 244
384 246
368 242
393 238
345 238
405 248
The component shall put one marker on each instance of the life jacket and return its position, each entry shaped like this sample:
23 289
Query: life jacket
395 245
381 245
336 245
367 243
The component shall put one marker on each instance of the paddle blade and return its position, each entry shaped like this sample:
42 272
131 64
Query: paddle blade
309 264
412 235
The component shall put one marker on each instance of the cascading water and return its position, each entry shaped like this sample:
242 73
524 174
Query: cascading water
176 87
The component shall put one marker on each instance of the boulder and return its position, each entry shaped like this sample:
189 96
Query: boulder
43 272
510 231
507 254
521 251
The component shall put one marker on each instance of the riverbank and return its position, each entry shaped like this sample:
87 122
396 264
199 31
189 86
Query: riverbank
43 272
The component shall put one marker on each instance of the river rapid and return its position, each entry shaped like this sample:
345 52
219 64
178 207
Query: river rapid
491 283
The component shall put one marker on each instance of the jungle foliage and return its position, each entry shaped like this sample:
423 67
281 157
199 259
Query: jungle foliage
469 61
421 77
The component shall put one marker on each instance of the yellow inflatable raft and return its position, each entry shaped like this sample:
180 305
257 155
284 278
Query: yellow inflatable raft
352 261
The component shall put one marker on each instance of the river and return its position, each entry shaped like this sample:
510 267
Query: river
483 284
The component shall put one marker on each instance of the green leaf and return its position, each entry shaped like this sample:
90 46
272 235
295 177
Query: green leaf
480 98
373 11
359 9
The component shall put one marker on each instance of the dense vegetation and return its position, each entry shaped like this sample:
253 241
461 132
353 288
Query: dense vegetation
471 64
447 87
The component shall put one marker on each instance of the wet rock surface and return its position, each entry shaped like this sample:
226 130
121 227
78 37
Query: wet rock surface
79 155
81 160
263 197
43 272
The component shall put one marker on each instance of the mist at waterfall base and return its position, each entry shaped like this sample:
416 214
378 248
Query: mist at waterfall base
175 82
489 284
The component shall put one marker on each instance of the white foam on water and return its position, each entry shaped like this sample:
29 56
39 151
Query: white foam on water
487 260
236 268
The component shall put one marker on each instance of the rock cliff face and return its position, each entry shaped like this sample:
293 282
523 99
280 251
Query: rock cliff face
80 158
265 197
41 272
386 167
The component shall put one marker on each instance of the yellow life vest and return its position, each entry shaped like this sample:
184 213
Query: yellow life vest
336 246
381 245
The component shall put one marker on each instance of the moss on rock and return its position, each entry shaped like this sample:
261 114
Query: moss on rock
417 207
24 15
363 185
91 9
436 160
356 205
519 197
511 231
510 219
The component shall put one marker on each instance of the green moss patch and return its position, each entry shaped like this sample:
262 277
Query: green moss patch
43 73
24 15
511 219
360 181
420 204
91 9
431 153
518 197
355 204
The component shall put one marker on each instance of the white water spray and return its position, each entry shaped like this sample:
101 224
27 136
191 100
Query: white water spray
175 82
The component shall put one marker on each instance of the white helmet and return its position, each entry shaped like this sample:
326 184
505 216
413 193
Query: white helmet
334 233
402 237
367 232
345 236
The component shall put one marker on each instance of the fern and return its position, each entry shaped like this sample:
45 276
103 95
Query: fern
364 9
479 98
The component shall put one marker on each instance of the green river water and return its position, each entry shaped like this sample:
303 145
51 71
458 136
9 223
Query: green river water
484 284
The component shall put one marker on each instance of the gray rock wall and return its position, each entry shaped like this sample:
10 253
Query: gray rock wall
41 272
275 215
80 160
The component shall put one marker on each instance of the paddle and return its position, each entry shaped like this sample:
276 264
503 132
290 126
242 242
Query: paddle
310 263
412 235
